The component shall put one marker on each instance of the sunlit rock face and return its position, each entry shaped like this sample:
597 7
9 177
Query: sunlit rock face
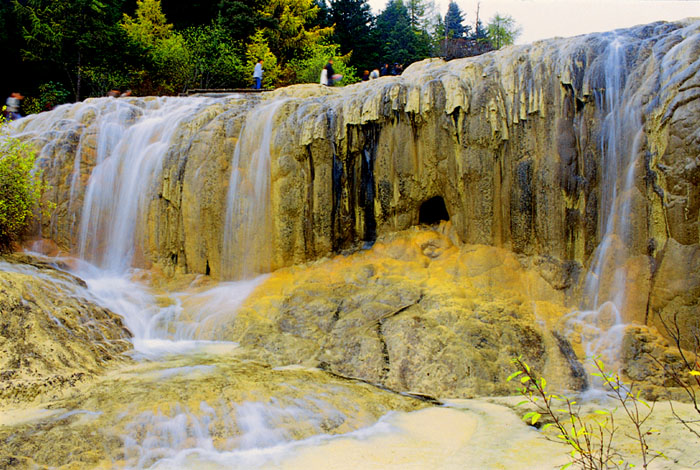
415 313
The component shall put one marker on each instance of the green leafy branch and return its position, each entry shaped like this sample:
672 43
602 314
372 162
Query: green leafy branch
590 441
21 188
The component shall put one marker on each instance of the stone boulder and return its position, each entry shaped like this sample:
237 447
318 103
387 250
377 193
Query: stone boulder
414 313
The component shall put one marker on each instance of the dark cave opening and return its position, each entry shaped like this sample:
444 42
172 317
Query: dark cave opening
433 211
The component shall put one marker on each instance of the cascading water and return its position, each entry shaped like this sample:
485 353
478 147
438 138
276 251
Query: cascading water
130 138
131 146
246 236
196 413
602 320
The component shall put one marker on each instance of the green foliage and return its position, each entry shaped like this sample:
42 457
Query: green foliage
308 70
50 94
150 26
286 29
454 22
590 439
241 18
353 32
502 30
213 60
71 34
259 49
156 47
398 42
167 67
20 189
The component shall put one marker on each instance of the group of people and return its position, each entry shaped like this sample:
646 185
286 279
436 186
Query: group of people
118 94
328 75
386 69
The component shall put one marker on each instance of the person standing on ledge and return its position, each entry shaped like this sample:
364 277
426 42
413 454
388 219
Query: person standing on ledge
257 75
12 106
331 76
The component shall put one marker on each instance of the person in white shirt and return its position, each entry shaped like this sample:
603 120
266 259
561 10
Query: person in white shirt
257 75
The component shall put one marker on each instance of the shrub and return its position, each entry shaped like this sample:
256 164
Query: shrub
308 70
50 94
20 188
590 440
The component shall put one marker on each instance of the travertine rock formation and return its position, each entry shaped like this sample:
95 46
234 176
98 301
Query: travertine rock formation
153 411
510 141
51 337
415 313
582 152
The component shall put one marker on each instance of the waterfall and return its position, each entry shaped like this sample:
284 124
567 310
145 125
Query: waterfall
132 144
246 234
603 317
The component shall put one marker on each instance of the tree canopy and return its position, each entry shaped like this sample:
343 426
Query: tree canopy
502 30
353 24
454 19
56 49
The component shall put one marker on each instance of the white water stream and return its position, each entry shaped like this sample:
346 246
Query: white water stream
248 198
601 321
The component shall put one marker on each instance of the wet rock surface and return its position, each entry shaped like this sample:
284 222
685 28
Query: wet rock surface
510 141
413 313
501 153
51 336
141 414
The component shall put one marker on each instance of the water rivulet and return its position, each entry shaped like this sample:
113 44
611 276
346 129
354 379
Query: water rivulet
413 232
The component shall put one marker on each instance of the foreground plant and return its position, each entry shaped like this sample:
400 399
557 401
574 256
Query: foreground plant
589 438
685 374
20 188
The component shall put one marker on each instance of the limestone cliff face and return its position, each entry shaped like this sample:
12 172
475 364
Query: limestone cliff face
533 148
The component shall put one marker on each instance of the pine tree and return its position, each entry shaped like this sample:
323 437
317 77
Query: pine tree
399 43
416 13
240 18
454 22
353 22
150 24
502 30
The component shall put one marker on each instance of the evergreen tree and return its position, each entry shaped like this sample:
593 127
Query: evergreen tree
288 27
323 18
259 49
241 18
454 22
353 32
480 32
416 13
502 30
150 25
77 36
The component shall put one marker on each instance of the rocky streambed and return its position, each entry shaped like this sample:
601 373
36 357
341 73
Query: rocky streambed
362 352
